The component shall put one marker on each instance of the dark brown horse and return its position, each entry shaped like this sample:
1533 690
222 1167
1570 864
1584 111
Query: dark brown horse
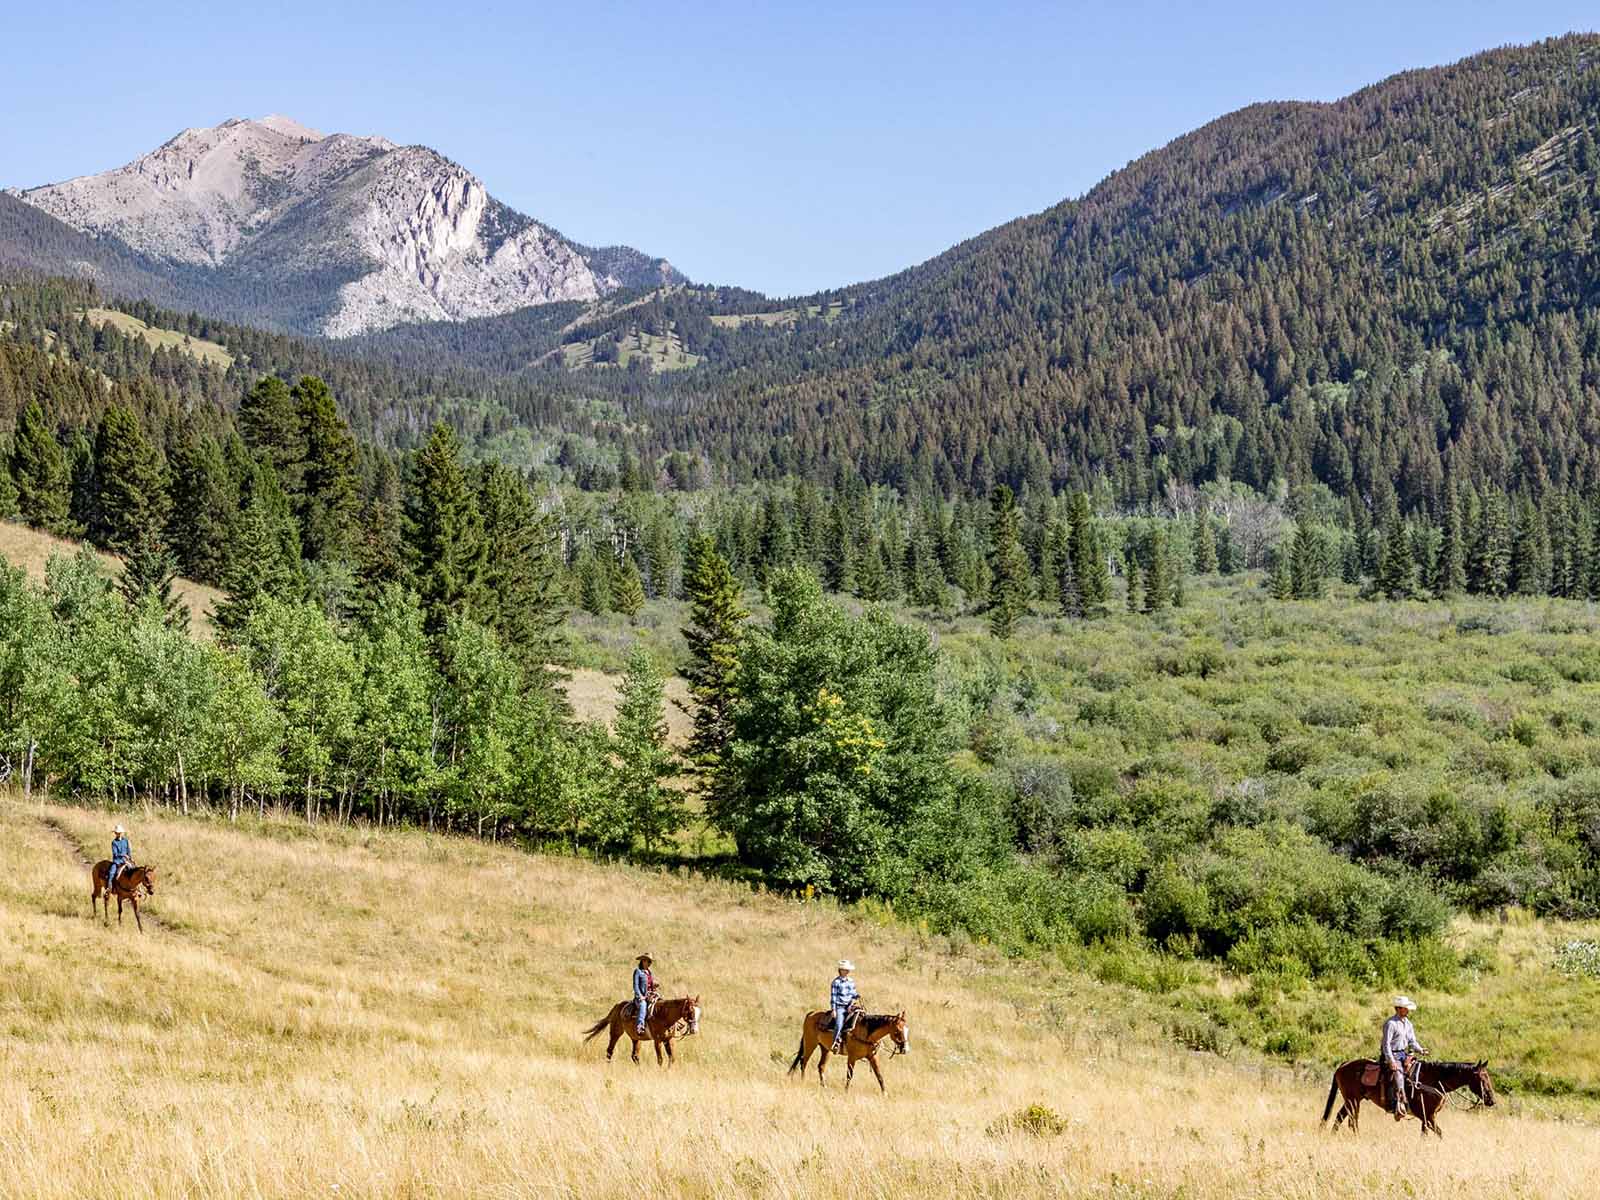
862 1043
661 1027
131 881
1362 1079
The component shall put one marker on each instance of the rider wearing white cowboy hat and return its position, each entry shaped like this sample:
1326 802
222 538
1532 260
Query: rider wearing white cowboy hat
840 997
1398 1044
644 990
121 855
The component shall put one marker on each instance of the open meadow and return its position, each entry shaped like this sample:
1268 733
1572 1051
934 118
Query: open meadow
321 1012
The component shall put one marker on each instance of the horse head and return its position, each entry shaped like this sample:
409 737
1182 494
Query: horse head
1480 1083
694 1016
147 880
900 1031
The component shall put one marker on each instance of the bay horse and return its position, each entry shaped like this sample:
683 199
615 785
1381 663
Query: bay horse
130 882
1362 1079
868 1032
660 1027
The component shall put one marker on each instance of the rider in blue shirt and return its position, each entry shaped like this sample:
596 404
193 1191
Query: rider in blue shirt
644 990
840 997
121 855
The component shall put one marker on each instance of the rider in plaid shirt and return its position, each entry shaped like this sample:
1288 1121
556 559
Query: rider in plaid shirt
842 995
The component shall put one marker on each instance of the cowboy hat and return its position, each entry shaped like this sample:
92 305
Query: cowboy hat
119 829
1405 1002
846 965
646 957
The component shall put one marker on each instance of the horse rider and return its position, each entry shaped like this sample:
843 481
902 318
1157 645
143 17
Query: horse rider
1399 1043
121 856
841 997
644 990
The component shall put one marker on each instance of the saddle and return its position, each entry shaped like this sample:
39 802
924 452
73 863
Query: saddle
852 1014
1371 1075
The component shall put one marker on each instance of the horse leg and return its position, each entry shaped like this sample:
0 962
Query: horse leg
872 1061
119 910
656 1042
635 1040
849 1071
135 902
672 1060
822 1061
616 1036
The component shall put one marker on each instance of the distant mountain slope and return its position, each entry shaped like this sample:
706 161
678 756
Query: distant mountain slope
322 233
1360 294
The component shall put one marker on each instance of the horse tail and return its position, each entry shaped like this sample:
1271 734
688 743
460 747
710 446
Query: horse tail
798 1054
1333 1092
594 1030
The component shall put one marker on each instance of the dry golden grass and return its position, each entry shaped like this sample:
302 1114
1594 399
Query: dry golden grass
348 1013
31 549
169 339
593 696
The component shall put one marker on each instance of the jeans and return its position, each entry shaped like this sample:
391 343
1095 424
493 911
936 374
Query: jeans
642 1009
111 875
1398 1082
838 1023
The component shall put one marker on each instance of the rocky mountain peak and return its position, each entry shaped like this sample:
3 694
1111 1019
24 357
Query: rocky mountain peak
380 234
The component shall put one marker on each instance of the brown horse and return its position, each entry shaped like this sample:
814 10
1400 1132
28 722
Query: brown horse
661 1026
131 881
862 1043
1362 1079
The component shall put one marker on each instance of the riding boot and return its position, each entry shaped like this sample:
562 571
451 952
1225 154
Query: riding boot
838 1046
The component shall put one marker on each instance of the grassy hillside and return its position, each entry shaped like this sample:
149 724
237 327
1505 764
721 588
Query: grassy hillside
343 1012
162 339
31 549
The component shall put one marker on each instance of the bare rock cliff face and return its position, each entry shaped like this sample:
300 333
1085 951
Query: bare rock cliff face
373 234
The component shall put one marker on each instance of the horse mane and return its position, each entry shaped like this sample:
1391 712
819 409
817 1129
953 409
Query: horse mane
876 1021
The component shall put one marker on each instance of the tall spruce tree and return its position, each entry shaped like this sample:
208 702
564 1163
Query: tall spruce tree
444 541
1089 563
39 474
1450 573
203 504
148 571
327 503
1397 571
643 760
1489 565
523 599
716 626
131 500
271 427
1010 585
1205 543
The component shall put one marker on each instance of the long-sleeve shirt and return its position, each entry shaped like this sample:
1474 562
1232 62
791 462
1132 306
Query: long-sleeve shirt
844 991
1399 1039
643 983
121 851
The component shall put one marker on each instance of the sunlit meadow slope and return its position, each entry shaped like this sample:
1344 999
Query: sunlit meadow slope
392 1014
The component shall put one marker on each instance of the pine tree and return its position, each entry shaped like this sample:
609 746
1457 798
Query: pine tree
131 502
1280 577
1450 573
1008 564
1205 543
1158 574
643 760
253 566
1529 551
1227 555
627 594
1088 556
327 502
592 574
203 504
522 594
148 569
39 474
1306 562
1489 565
1397 571
444 533
716 625
271 427
1135 593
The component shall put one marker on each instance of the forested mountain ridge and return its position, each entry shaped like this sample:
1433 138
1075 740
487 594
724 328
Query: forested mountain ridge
334 234
1359 293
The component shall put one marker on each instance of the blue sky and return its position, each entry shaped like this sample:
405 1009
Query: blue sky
780 147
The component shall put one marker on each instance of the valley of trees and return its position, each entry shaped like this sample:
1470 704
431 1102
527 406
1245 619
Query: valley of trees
982 571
